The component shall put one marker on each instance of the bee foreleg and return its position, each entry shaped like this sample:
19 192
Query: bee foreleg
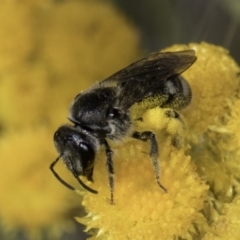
154 152
110 168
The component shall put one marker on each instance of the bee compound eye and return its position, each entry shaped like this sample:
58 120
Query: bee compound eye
113 113
87 153
56 135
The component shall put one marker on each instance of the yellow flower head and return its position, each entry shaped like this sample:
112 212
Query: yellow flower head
213 81
227 225
28 189
142 210
190 209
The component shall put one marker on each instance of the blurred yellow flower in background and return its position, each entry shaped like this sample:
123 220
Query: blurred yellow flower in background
49 52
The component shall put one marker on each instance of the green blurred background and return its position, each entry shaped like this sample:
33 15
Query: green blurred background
163 23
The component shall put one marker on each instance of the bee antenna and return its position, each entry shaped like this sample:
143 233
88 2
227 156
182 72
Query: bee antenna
85 186
57 176
65 183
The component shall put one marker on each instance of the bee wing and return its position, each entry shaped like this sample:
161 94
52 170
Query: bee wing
139 78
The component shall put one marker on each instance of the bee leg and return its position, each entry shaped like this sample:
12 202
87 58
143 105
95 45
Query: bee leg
154 153
110 168
89 174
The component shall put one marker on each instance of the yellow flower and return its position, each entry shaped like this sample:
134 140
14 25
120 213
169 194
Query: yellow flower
202 180
142 210
16 40
213 81
49 52
21 95
227 226
46 59
28 188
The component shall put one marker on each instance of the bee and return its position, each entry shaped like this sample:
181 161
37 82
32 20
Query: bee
104 112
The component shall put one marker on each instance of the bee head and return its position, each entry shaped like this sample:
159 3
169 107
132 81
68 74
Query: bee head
77 149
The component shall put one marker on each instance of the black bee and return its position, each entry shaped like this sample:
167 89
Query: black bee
104 111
